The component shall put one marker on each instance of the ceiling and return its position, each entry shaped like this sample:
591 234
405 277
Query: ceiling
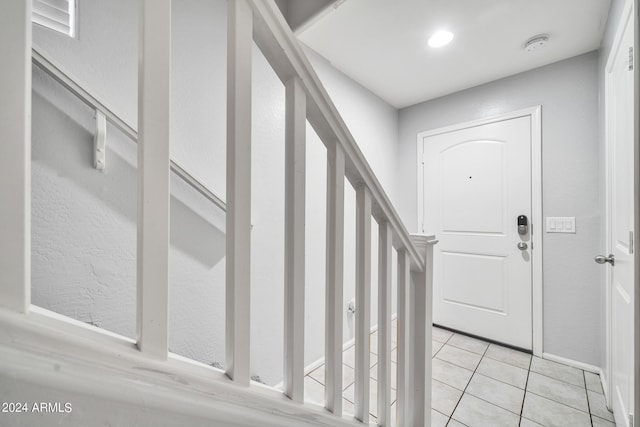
382 44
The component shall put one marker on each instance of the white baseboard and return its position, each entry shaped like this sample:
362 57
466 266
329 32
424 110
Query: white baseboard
573 363
319 362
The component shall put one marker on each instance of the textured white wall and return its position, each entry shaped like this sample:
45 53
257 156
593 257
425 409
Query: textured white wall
84 233
568 93
374 124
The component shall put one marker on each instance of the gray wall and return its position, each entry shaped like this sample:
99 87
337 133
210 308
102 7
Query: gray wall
568 93
84 221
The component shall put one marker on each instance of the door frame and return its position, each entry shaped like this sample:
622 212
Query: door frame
535 113
626 17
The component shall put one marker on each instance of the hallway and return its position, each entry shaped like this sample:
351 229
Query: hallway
476 383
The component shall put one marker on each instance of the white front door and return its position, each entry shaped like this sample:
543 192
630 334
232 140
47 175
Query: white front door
477 183
620 218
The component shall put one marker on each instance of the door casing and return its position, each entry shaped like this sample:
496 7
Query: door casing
536 203
625 17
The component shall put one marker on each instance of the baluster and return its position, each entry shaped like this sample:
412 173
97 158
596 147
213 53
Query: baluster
421 330
334 277
363 302
295 159
385 242
404 283
238 237
154 91
15 155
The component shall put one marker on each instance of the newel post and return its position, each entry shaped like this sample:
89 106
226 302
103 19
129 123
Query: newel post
421 332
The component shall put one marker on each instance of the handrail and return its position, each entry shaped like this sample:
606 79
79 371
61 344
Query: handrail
280 47
54 70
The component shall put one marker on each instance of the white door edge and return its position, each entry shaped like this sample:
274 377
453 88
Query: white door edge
625 17
535 113
636 192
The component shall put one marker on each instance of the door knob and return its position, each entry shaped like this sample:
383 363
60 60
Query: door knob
601 259
522 246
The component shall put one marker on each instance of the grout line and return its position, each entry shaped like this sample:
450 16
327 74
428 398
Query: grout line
587 394
559 403
500 381
467 386
526 383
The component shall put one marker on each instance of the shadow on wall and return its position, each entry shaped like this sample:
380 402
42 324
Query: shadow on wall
64 143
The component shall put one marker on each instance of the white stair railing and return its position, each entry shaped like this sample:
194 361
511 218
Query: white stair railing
306 99
274 37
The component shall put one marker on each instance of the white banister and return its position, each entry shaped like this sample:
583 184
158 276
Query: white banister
419 400
294 242
403 361
284 53
363 302
154 99
385 239
334 277
15 155
238 237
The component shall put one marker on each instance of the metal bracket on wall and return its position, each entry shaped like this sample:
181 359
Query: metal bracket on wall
100 141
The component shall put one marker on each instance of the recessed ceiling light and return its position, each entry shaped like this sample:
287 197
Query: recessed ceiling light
441 38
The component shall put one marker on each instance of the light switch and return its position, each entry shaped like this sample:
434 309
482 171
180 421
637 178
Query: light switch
561 224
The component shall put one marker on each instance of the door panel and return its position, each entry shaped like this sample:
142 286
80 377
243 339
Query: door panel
477 182
469 184
486 292
620 223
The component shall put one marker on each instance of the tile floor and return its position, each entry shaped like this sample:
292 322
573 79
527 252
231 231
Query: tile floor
476 383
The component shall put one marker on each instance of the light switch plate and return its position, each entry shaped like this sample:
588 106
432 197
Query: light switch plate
561 224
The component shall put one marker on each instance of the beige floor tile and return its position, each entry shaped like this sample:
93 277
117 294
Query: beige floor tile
503 372
467 343
496 392
313 391
349 394
598 406
349 357
450 374
528 423
435 347
347 407
438 419
553 414
374 343
558 371
444 398
559 391
454 423
599 422
318 374
441 335
593 382
373 373
508 355
457 356
475 412
347 375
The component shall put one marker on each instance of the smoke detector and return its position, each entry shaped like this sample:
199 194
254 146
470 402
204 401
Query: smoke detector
536 42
